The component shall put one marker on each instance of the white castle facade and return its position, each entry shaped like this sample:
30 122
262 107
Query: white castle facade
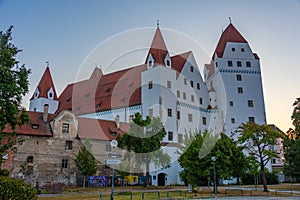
172 88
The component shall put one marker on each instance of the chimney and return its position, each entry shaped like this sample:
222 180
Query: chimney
117 119
45 113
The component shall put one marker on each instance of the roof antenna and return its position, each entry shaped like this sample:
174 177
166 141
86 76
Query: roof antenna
229 20
47 62
157 23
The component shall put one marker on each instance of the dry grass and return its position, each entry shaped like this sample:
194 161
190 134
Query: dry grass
94 193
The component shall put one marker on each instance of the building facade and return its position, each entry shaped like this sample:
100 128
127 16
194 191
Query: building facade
167 86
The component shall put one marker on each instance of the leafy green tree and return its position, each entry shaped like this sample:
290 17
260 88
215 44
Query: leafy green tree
292 145
85 162
228 158
144 141
13 86
257 139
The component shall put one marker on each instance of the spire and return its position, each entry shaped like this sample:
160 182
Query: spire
158 48
45 84
230 34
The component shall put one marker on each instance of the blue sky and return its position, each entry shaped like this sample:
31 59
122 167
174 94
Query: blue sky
64 32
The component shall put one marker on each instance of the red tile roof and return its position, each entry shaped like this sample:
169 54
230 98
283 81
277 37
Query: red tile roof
110 91
178 61
230 34
158 48
36 126
100 129
45 84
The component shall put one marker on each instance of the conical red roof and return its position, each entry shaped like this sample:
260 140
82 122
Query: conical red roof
158 48
45 84
230 34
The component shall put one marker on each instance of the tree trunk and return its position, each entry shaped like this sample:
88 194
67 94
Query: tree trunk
238 180
83 182
147 174
263 178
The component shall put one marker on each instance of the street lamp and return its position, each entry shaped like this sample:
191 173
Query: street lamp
215 174
113 143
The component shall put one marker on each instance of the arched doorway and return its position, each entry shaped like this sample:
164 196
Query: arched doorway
161 179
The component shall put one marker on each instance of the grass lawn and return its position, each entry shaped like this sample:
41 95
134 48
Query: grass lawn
153 192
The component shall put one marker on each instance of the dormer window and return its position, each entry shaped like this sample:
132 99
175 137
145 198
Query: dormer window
150 63
168 62
36 94
50 95
34 126
107 90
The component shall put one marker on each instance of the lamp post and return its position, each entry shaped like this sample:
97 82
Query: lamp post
113 143
215 174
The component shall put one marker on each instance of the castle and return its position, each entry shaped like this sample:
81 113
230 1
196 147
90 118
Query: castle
166 86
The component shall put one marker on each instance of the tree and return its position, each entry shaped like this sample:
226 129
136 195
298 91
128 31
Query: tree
257 139
13 86
228 158
292 145
144 140
85 162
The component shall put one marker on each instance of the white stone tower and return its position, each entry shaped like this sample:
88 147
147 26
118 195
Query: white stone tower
235 74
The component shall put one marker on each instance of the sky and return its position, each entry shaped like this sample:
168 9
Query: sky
65 33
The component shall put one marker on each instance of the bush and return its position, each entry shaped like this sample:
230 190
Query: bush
4 172
272 178
16 189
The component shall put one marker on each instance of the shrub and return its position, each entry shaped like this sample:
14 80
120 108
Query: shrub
272 178
16 189
4 172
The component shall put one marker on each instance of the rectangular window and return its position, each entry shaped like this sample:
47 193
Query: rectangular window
231 103
204 120
64 163
233 49
169 112
65 128
192 83
192 98
229 63
178 93
242 50
178 114
251 119
184 95
170 136
248 64
185 81
150 112
169 85
190 117
232 120
192 69
250 103
150 85
198 86
240 90
30 159
239 77
180 138
239 63
108 147
200 101
69 145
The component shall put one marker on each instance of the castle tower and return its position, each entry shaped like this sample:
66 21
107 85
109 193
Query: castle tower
236 75
44 94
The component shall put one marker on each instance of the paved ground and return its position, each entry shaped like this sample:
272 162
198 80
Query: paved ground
256 197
